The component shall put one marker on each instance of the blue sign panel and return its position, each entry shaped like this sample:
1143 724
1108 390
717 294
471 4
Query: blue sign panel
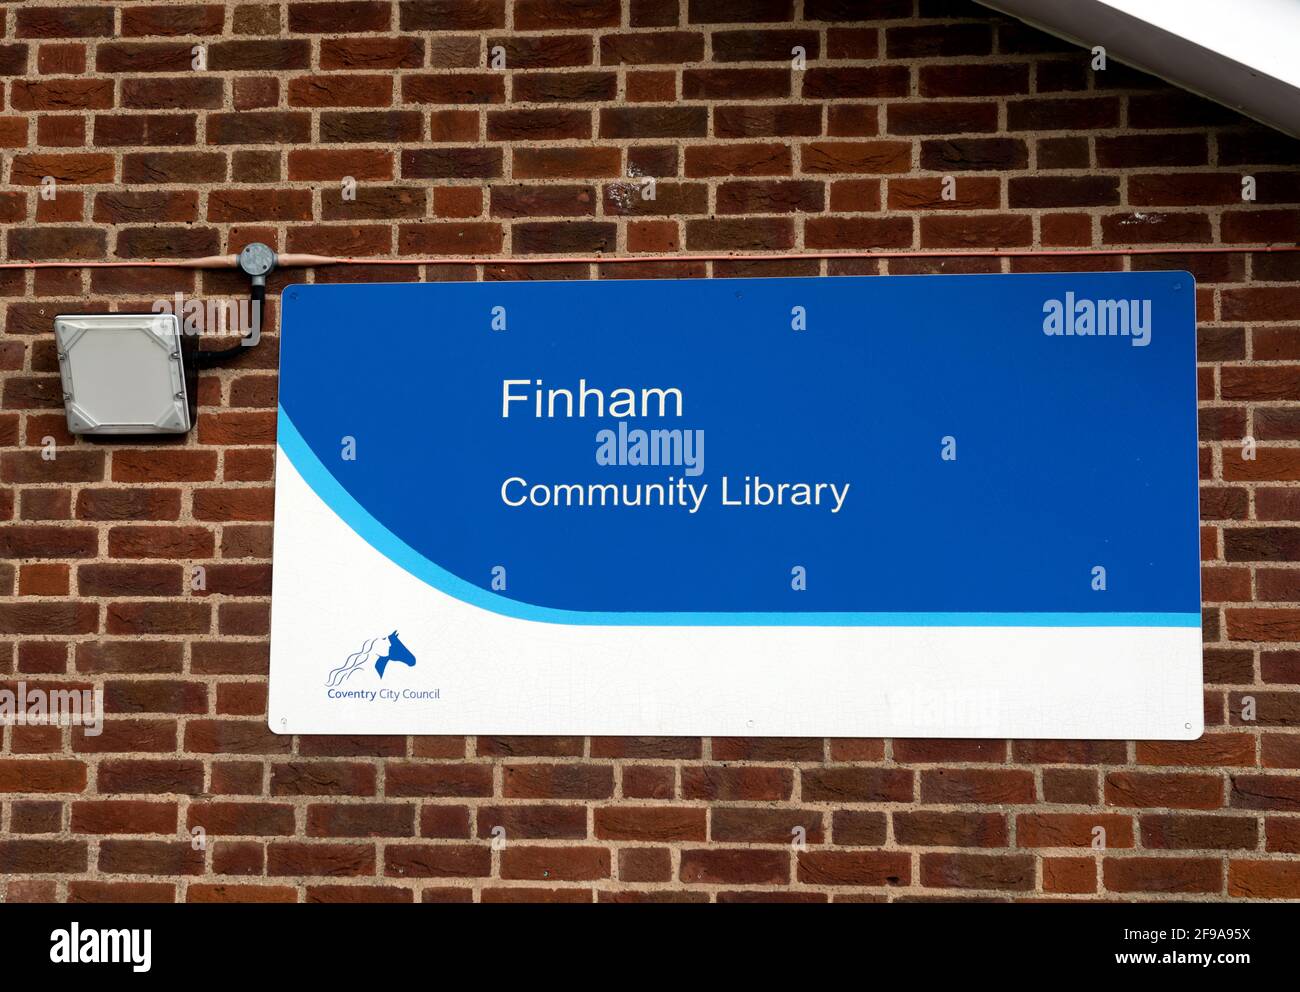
860 451
897 506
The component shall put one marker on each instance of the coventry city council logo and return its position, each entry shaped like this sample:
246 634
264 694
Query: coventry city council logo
378 651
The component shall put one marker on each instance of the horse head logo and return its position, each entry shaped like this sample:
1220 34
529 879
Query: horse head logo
380 650
394 650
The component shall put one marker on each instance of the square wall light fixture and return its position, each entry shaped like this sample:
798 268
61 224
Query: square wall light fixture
127 373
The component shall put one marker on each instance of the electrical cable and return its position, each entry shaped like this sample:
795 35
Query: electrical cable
313 261
209 359
258 261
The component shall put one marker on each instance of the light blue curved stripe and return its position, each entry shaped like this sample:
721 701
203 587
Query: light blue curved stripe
379 537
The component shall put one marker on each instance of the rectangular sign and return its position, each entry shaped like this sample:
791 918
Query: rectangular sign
960 506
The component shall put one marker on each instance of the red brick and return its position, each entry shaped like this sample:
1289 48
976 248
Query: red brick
172 19
947 785
269 127
1259 879
546 15
563 87
839 234
560 864
123 817
87 167
1183 875
644 864
854 82
1069 875
61 94
875 157
30 857
41 775
739 866
545 781
738 160
765 825
560 163
452 163
978 871
659 824
112 892
1172 790
68 22
740 234
719 782
735 84
1064 114
340 91
924 828
458 88
937 117
995 231
766 120
1198 833
855 868
360 820
974 79
856 785
437 860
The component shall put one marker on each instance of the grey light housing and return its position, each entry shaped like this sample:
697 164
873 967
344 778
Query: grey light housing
126 373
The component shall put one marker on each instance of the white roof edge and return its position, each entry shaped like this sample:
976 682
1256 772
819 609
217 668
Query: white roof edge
1240 54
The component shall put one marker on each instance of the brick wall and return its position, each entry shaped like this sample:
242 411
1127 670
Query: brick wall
153 158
